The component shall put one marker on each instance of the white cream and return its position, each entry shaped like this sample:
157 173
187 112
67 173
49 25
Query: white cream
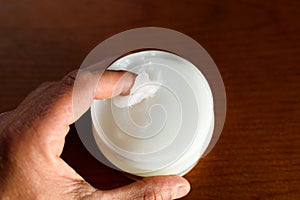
143 88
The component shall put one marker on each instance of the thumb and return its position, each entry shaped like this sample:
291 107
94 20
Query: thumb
159 187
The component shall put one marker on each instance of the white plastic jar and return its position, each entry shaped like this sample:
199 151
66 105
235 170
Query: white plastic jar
164 134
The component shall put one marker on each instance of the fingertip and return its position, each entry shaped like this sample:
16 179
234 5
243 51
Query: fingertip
114 83
182 189
127 81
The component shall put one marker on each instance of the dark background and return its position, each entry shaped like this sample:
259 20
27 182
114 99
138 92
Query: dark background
255 44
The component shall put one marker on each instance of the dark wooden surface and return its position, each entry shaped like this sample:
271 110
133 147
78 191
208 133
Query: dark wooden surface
255 44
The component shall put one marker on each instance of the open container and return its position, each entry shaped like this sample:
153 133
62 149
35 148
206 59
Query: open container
169 132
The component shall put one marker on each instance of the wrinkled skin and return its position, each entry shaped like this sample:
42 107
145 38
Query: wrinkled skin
32 139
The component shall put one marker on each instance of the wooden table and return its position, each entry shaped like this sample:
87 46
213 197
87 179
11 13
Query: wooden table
255 44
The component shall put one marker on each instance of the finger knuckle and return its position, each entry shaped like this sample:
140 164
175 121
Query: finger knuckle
69 79
4 117
13 128
152 193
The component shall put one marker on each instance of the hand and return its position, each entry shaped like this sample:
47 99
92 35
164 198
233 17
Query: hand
32 139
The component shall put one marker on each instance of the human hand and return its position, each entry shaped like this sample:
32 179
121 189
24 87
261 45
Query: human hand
32 139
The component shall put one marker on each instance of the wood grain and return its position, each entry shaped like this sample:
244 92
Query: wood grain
255 44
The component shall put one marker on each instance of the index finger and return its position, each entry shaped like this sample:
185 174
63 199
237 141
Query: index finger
61 104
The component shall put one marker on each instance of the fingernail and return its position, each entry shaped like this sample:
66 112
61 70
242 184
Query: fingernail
180 191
